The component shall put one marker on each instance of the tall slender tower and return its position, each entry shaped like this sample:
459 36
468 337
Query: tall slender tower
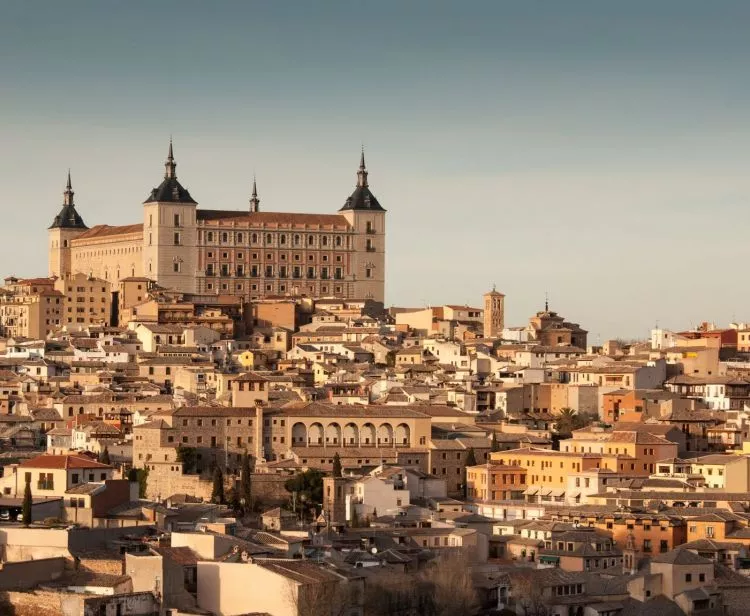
254 201
494 314
66 226
367 217
170 232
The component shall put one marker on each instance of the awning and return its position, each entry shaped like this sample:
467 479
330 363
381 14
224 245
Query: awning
531 490
545 492
549 559
557 492
574 494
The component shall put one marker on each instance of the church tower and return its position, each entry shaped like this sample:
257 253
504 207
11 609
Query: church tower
367 217
170 233
66 226
494 314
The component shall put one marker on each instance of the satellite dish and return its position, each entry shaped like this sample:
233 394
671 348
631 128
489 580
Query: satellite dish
374 551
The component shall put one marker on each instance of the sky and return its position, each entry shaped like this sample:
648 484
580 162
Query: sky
595 151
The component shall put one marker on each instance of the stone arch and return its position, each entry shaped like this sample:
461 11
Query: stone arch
299 434
315 434
333 434
403 434
351 434
385 434
367 435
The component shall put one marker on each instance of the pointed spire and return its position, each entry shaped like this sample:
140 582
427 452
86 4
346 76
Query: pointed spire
170 167
362 173
68 194
254 201
546 301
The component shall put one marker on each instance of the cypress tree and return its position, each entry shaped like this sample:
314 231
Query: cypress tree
26 508
217 492
337 465
246 487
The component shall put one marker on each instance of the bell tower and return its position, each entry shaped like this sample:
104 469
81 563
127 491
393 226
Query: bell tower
66 226
367 218
170 232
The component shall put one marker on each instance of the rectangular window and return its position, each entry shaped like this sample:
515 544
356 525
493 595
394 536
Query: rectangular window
177 238
176 220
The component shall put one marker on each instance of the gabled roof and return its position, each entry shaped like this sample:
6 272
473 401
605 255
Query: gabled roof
62 462
681 556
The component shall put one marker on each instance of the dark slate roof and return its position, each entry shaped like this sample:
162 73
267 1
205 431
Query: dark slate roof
170 191
362 199
68 218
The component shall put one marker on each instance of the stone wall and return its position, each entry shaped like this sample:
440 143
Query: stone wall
29 573
36 603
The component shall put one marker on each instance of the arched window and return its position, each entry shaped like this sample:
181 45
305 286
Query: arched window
269 238
282 239
239 238
254 238
324 240
310 240
296 240
338 240
210 236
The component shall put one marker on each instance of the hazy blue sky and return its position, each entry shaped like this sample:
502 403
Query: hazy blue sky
596 150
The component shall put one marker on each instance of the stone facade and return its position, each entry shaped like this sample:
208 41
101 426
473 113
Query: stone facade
252 254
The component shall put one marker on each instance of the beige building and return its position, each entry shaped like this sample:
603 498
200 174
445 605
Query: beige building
30 308
52 475
88 301
252 254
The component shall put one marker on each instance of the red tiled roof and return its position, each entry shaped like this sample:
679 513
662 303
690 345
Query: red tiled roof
61 462
105 230
279 218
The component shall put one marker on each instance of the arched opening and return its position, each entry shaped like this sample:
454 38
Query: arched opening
351 434
403 434
299 434
367 435
385 434
315 434
333 434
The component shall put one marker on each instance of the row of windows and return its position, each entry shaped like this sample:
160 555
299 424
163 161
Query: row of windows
269 239
240 256
283 288
269 271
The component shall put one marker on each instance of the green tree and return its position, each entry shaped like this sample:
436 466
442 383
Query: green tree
233 499
188 456
495 446
26 507
569 420
246 486
142 474
471 457
133 474
104 456
308 486
217 491
337 465
390 359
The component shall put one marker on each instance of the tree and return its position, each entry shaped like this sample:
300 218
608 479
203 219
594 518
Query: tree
354 522
246 486
326 597
104 456
26 507
390 359
233 499
133 474
569 420
188 456
450 587
308 486
528 594
337 465
217 491
142 475
495 446
471 457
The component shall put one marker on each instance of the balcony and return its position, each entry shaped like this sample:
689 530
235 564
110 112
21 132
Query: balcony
210 273
370 249
370 231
